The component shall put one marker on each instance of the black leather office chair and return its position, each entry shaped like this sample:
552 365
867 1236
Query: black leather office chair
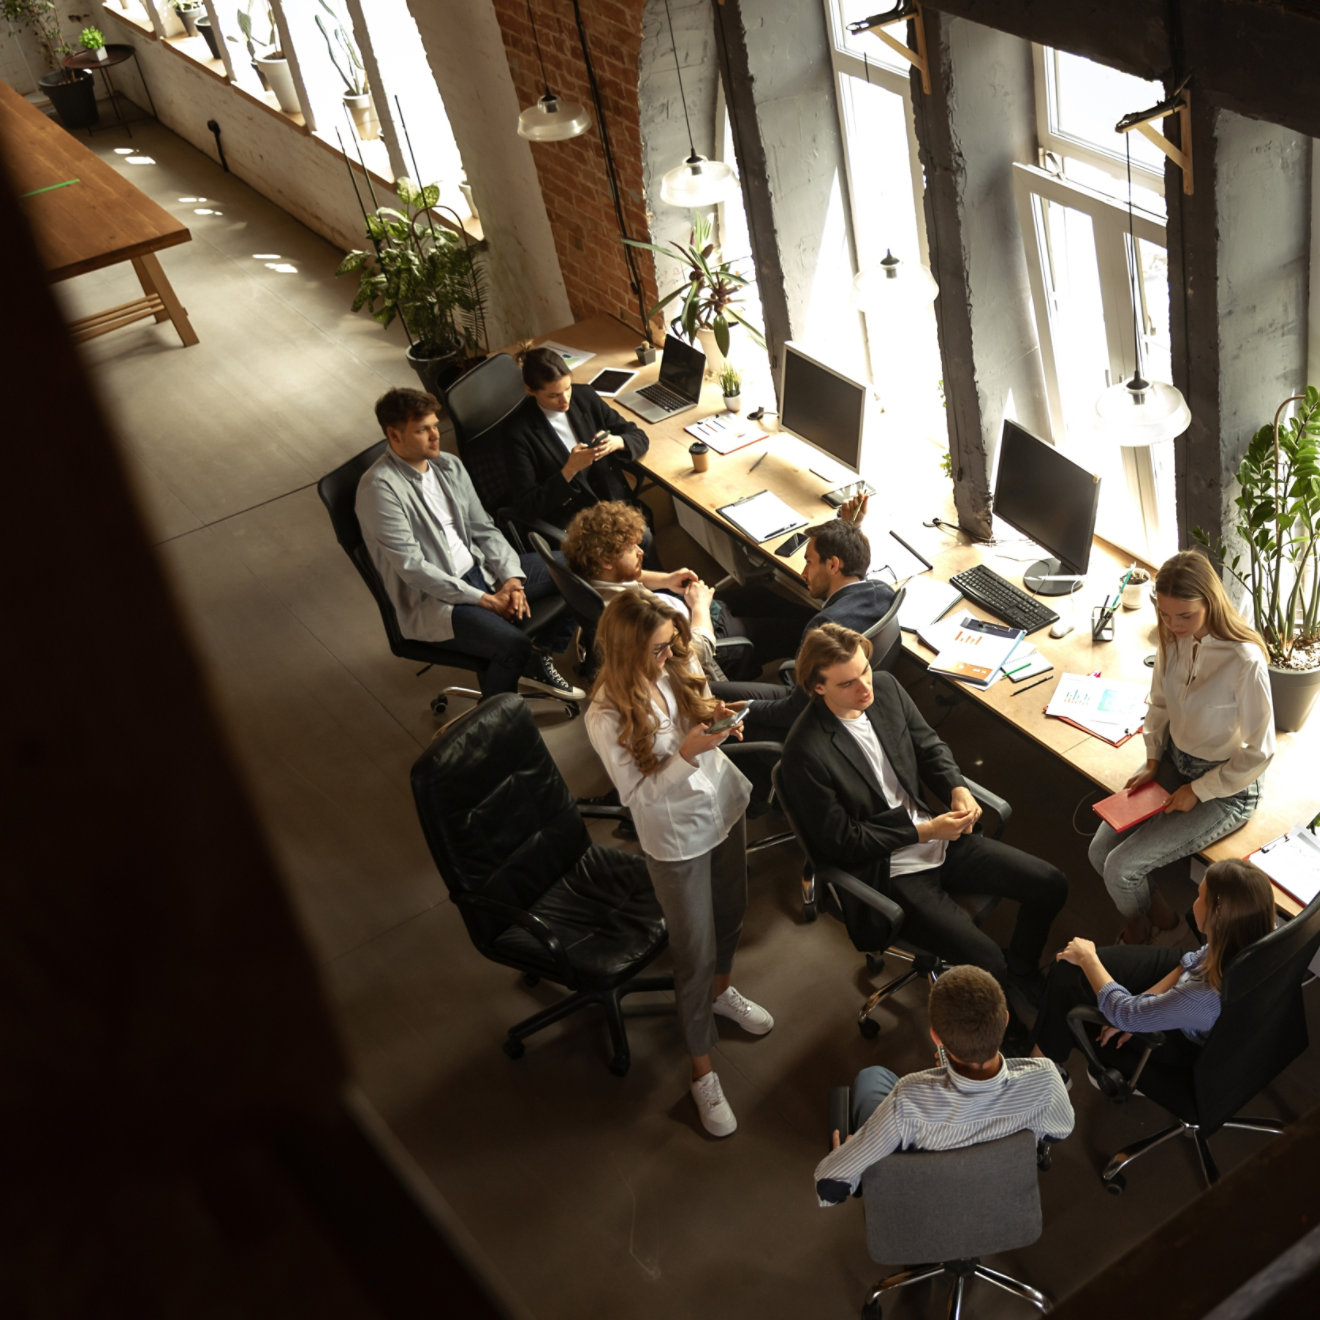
885 636
1260 1031
338 492
951 1208
534 892
853 899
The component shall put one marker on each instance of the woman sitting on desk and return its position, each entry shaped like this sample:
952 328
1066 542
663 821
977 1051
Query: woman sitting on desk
1234 907
1209 736
650 723
564 449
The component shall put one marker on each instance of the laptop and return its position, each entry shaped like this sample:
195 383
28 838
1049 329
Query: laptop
678 389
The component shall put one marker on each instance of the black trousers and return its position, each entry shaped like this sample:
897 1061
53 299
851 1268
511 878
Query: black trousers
974 864
1136 967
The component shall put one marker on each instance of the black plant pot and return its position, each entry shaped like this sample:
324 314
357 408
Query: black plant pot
73 94
189 17
208 33
437 374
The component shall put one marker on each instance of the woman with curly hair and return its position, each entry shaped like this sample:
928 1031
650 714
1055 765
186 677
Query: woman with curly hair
1209 736
650 722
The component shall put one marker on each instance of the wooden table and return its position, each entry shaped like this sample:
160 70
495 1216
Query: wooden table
85 216
1291 791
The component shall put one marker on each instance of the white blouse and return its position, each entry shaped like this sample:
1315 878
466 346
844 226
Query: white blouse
681 810
1213 700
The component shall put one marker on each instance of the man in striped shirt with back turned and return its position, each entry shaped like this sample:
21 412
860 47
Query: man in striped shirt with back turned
974 1095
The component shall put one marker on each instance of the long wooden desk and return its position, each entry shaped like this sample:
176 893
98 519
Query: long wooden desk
84 216
1291 791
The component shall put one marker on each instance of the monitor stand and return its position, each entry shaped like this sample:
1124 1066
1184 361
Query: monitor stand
1044 578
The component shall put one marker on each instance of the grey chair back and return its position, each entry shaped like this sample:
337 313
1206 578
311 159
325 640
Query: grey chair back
953 1204
885 636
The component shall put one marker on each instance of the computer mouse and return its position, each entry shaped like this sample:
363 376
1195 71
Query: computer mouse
1060 629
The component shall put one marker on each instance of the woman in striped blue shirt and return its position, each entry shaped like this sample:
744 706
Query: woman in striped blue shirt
1234 907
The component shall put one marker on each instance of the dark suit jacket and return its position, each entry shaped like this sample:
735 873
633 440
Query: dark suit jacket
534 457
834 796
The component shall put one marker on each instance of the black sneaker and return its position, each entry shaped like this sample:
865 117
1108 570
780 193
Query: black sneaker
542 675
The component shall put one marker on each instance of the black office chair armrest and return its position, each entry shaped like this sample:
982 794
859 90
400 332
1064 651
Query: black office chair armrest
1000 806
601 812
529 922
788 672
881 904
510 521
1113 1083
1044 1154
736 749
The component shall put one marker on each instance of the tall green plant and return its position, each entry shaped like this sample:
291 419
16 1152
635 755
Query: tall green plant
1278 505
44 20
266 39
421 272
712 291
344 53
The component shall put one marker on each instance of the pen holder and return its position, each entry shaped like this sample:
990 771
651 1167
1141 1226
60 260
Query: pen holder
1102 624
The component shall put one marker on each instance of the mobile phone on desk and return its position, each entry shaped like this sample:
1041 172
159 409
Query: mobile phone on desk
720 726
792 545
840 495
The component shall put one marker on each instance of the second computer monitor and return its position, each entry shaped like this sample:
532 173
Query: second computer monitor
1051 500
823 406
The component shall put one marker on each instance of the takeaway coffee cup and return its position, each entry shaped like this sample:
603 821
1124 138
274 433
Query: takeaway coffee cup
700 452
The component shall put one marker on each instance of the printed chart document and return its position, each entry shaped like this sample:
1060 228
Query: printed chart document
1125 809
762 516
1292 861
1110 708
976 651
725 432
574 357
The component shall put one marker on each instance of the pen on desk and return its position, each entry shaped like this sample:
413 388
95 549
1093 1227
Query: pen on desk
1017 692
910 550
1008 673
759 461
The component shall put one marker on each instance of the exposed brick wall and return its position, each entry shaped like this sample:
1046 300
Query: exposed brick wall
574 178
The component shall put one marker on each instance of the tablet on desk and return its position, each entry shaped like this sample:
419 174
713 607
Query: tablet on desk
610 381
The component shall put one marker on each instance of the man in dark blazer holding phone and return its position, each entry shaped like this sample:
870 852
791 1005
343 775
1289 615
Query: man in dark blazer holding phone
855 764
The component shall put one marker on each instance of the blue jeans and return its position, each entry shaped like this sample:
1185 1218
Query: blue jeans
505 647
869 1088
1126 860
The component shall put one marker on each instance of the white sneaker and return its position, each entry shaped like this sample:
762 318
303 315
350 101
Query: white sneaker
749 1016
716 1116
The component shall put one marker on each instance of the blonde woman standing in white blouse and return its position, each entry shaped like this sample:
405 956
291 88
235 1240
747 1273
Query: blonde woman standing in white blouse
649 721
1209 736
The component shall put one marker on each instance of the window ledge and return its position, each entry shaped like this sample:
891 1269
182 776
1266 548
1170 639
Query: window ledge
138 25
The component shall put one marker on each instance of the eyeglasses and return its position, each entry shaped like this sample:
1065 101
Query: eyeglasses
665 648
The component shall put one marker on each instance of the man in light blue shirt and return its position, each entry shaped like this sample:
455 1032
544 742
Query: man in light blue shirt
447 568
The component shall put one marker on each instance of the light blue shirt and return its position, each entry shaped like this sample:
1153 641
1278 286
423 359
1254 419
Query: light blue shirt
1191 1005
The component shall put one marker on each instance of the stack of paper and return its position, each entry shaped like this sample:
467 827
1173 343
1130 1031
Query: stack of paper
1109 708
927 601
1026 663
976 651
1292 861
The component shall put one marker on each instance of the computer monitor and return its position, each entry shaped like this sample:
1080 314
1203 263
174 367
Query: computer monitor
1051 500
823 406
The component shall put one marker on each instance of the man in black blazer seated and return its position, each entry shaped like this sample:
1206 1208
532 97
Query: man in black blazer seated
857 759
553 459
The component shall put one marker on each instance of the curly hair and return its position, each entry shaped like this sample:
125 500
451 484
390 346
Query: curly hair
623 644
1189 575
599 534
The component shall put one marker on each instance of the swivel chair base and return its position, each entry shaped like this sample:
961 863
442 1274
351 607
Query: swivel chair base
609 1000
1115 1182
923 964
962 1272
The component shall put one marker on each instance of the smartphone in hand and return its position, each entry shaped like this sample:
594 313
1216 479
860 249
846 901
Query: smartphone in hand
728 722
600 438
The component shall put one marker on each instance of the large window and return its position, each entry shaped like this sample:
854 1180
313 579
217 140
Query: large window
1075 223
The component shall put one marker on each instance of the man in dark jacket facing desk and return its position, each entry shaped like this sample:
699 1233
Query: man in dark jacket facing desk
856 761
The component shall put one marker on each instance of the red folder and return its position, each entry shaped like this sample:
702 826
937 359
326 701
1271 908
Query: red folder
1125 809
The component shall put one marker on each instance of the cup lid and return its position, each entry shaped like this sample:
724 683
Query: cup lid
698 447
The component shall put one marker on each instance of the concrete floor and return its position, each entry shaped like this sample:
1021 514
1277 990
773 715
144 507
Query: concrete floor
587 1194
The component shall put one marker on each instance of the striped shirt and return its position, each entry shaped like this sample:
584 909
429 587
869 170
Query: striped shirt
1191 1005
939 1109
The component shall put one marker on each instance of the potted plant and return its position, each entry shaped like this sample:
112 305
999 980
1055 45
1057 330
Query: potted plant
1278 505
263 46
423 273
189 11
710 294
72 91
347 59
93 40
731 387
206 29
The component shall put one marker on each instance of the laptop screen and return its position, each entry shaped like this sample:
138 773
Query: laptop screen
682 367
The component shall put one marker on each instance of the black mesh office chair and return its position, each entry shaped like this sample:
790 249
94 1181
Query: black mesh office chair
951 1208
338 492
533 890
874 920
1260 1031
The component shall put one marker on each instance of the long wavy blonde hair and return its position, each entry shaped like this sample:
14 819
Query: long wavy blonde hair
623 643
1189 575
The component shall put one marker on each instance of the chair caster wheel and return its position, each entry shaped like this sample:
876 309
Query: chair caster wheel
1116 1185
869 1028
808 910
531 978
439 704
515 1049
875 963
619 1067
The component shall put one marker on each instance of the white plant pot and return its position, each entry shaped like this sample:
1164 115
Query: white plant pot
364 116
279 78
733 402
714 358
101 54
